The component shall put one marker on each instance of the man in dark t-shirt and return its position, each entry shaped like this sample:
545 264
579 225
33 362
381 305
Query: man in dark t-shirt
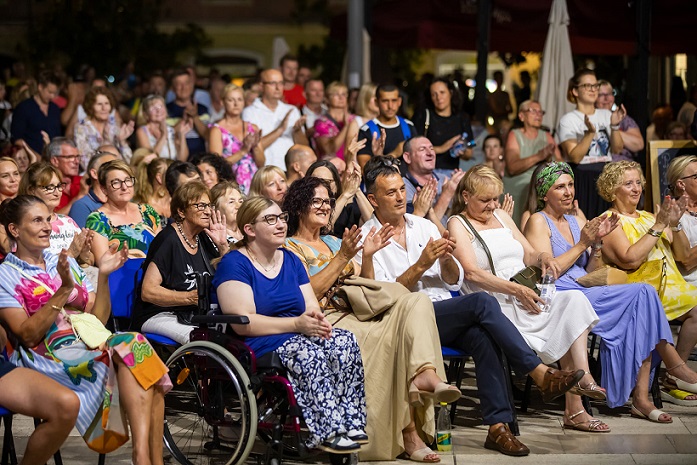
184 107
38 114
397 129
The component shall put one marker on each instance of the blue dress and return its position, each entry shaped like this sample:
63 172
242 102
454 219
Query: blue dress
632 320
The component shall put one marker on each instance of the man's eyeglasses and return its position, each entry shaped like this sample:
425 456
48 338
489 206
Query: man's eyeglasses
535 111
273 83
128 182
271 220
588 87
692 176
201 206
51 188
319 203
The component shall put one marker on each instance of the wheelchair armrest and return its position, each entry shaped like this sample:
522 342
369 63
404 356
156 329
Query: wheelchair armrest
215 319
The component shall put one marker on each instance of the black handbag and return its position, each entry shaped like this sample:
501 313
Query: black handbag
528 276
185 316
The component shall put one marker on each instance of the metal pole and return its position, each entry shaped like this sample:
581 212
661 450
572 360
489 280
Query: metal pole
483 27
355 42
643 25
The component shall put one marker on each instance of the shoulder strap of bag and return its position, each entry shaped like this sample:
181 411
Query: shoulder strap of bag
406 130
32 278
481 241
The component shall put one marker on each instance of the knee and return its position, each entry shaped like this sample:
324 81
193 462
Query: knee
486 303
67 407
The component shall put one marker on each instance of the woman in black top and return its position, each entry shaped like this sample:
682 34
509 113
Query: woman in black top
443 122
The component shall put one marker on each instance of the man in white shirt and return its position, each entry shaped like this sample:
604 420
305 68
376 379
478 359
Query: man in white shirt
281 124
420 258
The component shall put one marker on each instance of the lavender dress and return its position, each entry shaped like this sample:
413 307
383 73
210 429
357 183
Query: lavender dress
632 320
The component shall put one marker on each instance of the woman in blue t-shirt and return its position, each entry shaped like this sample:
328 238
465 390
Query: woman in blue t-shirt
270 285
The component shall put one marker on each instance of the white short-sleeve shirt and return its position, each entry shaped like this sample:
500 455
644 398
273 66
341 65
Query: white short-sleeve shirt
572 126
267 120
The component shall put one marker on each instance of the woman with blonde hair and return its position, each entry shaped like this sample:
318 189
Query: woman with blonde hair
331 128
366 109
682 178
645 237
227 198
9 178
237 141
269 182
151 190
156 135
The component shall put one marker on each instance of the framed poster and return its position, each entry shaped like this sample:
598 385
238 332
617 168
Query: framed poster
661 153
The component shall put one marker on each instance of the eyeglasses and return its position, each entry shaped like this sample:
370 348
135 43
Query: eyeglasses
68 157
51 188
319 203
271 220
535 111
201 206
117 183
588 87
692 176
273 83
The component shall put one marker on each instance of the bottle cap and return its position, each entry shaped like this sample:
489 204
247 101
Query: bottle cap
443 404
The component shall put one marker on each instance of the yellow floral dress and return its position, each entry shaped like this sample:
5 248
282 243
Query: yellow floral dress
679 297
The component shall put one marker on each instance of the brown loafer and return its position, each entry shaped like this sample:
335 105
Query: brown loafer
557 382
502 440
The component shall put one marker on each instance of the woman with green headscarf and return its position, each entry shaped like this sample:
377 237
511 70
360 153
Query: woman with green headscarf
632 321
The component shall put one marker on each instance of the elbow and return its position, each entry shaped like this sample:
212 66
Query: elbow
147 295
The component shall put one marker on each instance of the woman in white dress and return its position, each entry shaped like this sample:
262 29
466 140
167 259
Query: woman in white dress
557 331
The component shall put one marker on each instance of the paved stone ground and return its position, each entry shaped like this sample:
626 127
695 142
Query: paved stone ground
632 441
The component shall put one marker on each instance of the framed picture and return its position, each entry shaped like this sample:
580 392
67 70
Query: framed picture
661 153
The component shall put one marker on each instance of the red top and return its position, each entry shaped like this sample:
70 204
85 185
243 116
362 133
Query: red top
70 191
294 96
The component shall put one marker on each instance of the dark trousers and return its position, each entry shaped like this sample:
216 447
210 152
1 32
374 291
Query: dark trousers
474 323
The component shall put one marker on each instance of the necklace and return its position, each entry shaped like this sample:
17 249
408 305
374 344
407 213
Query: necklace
181 231
267 270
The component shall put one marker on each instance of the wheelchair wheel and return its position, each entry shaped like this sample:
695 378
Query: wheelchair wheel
211 412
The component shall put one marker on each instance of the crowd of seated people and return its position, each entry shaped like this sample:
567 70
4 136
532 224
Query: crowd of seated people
283 195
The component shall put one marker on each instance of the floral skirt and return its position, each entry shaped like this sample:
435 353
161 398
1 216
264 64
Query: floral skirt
92 376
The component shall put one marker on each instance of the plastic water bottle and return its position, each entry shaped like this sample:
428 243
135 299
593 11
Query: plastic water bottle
443 436
547 289
459 145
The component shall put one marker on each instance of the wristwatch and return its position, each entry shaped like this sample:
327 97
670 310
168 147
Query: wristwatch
654 233
677 228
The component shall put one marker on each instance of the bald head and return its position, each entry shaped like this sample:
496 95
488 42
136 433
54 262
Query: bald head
272 86
298 160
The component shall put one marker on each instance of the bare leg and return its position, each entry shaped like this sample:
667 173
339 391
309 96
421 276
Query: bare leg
427 380
688 334
640 396
31 393
157 426
412 440
577 359
138 404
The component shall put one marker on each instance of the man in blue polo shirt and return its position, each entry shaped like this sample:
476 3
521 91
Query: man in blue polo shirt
38 114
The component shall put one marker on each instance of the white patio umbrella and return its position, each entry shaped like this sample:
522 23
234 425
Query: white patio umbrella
557 67
280 48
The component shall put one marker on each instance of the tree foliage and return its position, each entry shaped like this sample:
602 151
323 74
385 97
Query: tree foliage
108 34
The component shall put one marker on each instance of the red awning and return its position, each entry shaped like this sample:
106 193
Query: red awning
597 27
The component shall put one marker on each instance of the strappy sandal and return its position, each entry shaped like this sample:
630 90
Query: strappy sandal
443 392
654 415
589 426
591 390
678 397
420 455
677 382
340 444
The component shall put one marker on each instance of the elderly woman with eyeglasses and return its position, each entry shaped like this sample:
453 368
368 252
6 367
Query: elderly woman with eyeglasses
589 136
168 294
45 181
526 147
644 237
120 221
166 141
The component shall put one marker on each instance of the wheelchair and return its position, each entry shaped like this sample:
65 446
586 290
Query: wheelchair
223 397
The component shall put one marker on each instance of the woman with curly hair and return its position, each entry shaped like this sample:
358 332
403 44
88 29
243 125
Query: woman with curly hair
213 169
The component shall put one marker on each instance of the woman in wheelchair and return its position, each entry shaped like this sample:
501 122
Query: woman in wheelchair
270 285
37 292
168 296
400 348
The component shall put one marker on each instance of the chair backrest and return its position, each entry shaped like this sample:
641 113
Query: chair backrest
122 287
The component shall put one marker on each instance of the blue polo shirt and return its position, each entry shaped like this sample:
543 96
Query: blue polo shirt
81 209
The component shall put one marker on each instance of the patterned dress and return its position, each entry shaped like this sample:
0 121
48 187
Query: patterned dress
137 236
245 168
65 359
679 296
63 229
88 140
326 126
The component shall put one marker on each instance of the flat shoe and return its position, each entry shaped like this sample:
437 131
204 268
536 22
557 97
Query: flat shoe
502 440
358 435
682 385
421 454
340 445
678 397
443 392
590 426
654 416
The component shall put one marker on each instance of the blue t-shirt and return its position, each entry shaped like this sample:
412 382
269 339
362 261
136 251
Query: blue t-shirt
82 208
279 297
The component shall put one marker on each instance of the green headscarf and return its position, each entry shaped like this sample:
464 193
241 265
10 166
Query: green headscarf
547 177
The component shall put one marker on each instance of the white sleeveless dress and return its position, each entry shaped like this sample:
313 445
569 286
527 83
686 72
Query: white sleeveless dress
551 333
